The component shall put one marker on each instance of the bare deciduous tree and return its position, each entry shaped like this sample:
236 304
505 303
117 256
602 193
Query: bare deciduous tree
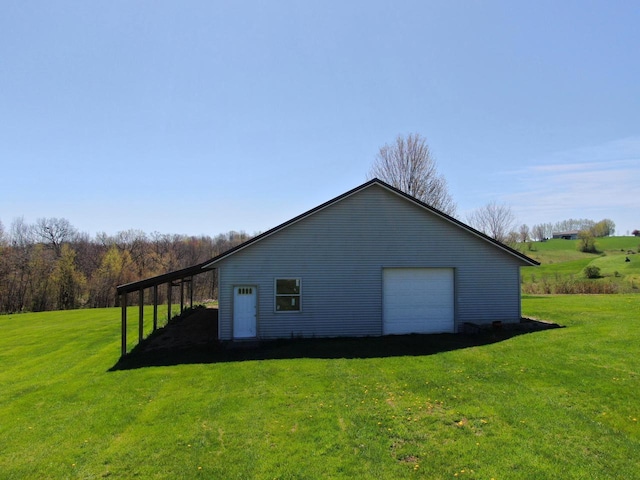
409 166
573 224
15 261
494 219
55 232
539 232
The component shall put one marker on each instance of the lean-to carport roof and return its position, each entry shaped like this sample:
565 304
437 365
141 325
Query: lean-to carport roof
165 278
210 264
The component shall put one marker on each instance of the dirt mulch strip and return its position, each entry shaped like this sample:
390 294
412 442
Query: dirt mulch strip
195 328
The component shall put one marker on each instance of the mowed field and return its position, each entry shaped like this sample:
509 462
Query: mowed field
562 266
561 403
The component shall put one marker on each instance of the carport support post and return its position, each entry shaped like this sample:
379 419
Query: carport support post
169 301
140 315
191 292
123 304
155 307
181 295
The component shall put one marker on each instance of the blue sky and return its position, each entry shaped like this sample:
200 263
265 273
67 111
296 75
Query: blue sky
200 117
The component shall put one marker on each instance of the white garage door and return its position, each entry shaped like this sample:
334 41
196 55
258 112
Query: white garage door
417 300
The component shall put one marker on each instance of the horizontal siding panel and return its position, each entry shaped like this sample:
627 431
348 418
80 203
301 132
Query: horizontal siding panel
340 252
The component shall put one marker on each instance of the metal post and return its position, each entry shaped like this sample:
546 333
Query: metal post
123 304
169 302
140 315
155 307
181 295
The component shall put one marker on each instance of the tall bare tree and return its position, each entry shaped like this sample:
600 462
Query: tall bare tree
409 166
539 231
524 233
494 219
54 232
21 242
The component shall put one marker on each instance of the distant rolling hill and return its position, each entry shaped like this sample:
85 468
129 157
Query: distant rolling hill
562 266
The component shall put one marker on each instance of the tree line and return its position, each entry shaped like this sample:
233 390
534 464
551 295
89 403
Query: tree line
587 229
50 265
498 222
603 228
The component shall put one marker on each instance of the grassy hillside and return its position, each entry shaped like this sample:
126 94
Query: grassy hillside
559 403
562 266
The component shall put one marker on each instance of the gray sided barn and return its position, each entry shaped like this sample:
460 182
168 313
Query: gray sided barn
370 262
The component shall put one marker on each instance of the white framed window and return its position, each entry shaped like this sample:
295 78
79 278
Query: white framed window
288 294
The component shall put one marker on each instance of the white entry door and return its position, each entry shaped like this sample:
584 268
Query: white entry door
418 300
244 311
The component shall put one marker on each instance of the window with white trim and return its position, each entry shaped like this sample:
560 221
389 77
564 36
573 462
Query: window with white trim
288 294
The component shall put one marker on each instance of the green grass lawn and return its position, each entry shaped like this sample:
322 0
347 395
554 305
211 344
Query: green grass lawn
561 403
562 263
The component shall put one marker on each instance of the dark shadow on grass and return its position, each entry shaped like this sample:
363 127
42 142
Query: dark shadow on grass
328 348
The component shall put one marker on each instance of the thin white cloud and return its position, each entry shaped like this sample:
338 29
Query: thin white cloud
612 165
592 182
